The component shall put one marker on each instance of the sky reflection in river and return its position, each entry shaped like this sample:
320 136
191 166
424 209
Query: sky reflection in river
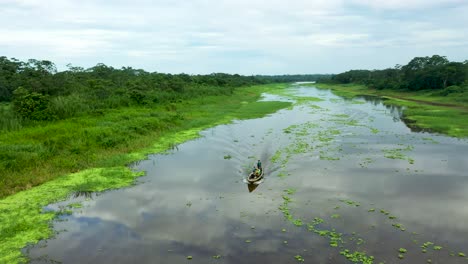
194 202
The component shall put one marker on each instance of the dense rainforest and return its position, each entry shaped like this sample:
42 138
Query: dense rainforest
421 73
34 90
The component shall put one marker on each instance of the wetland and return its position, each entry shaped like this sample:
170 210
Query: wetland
346 180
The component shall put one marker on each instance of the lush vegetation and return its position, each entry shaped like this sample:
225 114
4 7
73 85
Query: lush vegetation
423 110
433 90
90 153
35 91
53 123
434 73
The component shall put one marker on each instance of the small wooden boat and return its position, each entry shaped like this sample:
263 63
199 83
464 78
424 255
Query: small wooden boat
254 178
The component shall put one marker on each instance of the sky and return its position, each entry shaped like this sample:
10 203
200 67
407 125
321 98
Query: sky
239 36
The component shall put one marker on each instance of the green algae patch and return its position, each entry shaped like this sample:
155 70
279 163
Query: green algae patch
335 238
397 153
22 220
357 256
299 258
290 93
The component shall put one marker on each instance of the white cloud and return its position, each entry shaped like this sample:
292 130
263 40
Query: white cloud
408 4
231 36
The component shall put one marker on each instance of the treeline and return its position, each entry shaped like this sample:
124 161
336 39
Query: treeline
421 73
293 77
35 90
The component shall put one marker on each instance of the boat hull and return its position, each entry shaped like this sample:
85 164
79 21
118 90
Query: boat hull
252 178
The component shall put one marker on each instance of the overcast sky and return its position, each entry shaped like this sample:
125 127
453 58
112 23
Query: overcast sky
238 36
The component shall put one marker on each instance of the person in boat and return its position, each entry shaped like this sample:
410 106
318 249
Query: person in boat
257 172
259 165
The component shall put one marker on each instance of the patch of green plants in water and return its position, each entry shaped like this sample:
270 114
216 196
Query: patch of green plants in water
430 140
324 157
343 119
335 238
299 258
366 162
350 202
425 246
75 205
315 107
357 256
397 153
290 93
346 122
306 138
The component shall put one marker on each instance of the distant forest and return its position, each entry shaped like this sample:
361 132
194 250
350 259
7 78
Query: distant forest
293 77
421 73
35 90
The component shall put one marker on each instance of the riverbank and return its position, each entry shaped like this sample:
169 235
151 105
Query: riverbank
424 110
91 153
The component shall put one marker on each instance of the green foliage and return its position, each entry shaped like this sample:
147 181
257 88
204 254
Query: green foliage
435 73
42 93
31 105
454 89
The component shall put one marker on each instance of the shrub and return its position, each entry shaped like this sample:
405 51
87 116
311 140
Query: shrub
31 105
452 90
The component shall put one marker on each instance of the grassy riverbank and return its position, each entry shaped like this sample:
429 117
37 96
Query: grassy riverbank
423 109
90 153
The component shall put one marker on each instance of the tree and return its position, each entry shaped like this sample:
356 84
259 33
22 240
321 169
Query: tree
31 105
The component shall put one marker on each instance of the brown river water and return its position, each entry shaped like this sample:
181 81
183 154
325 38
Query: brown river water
334 153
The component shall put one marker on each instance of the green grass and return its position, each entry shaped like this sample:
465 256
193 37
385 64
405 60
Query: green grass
90 153
419 113
9 121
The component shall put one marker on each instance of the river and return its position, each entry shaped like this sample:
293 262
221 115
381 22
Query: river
352 165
